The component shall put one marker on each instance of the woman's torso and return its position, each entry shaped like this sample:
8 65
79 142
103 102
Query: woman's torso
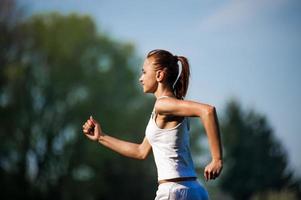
169 138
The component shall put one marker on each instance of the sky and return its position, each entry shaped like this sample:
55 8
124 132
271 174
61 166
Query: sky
244 49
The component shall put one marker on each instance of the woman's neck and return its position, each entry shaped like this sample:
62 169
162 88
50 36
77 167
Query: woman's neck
163 90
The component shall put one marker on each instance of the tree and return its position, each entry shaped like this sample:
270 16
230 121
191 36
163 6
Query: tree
255 160
56 70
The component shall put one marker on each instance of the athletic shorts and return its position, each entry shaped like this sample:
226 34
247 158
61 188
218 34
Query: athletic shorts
185 190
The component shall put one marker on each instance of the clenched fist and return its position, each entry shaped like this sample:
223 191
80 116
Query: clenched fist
92 129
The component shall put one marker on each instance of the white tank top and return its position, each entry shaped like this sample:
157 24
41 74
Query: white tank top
171 149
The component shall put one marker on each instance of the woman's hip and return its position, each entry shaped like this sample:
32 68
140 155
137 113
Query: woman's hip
185 190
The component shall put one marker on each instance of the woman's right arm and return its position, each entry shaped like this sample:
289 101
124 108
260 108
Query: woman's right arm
94 132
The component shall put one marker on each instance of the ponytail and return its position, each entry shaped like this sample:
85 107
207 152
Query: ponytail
181 86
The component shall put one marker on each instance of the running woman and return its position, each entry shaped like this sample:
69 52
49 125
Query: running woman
167 132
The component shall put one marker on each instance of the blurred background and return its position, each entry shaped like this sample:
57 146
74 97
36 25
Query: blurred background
62 61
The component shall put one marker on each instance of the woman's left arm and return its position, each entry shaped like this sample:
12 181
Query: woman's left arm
208 116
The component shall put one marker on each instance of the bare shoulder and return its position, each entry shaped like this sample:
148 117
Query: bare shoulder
180 107
166 104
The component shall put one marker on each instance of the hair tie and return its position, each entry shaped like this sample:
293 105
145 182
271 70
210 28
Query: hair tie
179 74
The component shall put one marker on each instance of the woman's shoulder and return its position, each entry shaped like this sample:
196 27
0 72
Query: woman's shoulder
165 104
180 107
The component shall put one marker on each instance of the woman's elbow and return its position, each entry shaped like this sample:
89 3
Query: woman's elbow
142 156
210 110
142 153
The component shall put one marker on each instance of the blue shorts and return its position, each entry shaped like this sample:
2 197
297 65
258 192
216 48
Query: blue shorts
185 190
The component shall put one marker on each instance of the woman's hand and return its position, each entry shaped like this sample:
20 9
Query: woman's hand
92 129
213 169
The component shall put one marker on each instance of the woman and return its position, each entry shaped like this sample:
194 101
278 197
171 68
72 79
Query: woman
167 132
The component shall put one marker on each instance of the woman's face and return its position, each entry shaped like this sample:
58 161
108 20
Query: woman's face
148 77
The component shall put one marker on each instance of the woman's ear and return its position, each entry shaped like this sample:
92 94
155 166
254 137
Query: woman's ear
160 75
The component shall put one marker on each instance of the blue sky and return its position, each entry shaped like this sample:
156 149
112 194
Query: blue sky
249 49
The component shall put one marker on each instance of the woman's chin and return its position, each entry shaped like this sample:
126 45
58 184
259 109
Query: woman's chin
146 91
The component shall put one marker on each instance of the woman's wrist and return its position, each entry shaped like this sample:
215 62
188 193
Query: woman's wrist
217 160
101 138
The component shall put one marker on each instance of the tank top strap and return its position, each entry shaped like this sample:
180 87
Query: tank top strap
161 97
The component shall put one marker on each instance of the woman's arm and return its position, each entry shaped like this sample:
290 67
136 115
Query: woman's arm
208 116
94 132
129 149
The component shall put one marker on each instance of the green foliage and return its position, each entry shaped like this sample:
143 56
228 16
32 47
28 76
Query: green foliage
255 161
276 195
56 71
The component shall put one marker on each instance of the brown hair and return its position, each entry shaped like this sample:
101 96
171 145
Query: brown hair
164 59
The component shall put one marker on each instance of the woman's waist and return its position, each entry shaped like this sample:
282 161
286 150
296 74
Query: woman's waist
174 173
178 179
